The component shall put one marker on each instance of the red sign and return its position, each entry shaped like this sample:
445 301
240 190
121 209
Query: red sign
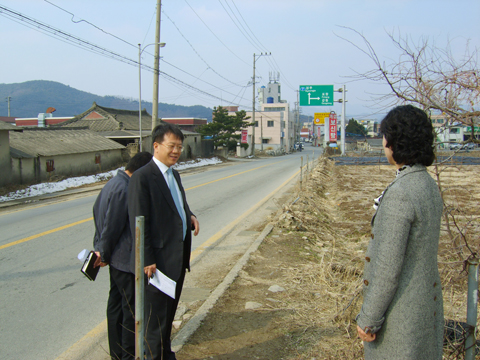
333 127
244 136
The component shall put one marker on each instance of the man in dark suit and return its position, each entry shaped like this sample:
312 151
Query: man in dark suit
156 192
113 245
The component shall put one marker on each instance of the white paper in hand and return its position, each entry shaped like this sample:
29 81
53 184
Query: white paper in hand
163 283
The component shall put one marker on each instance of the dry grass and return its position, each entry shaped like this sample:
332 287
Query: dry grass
333 215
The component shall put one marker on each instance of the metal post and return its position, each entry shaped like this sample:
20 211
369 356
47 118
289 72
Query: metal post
326 127
307 164
139 287
472 303
261 133
156 67
140 96
8 101
253 109
301 169
342 131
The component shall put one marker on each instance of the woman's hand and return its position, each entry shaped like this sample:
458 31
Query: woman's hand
364 336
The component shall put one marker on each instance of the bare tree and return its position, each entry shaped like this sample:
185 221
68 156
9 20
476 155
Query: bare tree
429 76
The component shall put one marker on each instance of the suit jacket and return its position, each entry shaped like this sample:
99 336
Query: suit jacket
149 196
113 238
402 288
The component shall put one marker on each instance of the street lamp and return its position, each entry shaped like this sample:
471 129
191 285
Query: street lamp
140 51
255 57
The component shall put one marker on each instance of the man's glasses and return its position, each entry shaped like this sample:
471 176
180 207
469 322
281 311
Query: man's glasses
172 147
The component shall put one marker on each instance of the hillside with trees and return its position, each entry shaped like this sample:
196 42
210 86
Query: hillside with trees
30 98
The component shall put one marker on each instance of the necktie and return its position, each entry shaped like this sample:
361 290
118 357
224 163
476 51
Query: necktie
176 199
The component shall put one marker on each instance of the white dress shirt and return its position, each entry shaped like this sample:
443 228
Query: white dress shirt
163 169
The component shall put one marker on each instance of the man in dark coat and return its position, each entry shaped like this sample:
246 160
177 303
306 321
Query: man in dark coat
113 243
156 192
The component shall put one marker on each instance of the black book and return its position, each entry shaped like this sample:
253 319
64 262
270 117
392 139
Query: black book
88 269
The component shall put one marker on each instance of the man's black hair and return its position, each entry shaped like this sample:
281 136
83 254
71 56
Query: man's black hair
409 133
159 132
140 159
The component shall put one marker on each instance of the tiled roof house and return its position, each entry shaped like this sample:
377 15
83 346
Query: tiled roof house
39 154
110 122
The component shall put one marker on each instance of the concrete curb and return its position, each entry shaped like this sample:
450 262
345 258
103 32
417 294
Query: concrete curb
193 324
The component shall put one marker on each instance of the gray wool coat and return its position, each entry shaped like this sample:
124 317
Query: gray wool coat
403 301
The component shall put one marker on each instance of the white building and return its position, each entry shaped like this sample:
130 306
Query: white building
451 133
274 122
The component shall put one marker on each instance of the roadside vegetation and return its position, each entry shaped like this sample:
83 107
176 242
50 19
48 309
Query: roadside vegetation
316 253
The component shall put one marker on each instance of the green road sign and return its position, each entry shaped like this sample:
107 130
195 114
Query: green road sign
316 95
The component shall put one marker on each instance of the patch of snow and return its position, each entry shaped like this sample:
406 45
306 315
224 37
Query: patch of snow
197 163
51 187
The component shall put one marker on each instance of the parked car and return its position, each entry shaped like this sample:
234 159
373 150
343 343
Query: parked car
470 146
455 146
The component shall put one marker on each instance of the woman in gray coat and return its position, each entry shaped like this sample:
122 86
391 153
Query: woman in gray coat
402 312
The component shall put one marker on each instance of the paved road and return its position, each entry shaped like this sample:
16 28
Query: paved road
46 304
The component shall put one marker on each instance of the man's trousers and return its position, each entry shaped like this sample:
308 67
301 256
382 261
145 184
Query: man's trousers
159 315
121 315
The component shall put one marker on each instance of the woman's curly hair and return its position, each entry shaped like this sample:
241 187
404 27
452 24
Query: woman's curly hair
409 133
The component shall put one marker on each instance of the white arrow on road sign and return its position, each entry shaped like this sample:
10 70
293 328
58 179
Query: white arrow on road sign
310 98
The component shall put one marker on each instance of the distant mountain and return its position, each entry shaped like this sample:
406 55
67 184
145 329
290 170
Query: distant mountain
30 98
305 118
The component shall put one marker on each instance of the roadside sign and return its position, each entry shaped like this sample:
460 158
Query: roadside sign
333 127
316 95
244 136
319 118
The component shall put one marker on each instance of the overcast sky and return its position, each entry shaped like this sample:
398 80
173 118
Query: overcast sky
210 45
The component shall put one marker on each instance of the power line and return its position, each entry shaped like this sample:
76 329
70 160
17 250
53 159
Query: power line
272 62
216 35
76 41
89 23
283 76
246 35
196 52
135 46
264 47
45 28
198 78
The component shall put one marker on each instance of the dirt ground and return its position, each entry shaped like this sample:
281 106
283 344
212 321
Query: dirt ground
314 255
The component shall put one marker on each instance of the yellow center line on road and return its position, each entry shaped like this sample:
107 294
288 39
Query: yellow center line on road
44 233
100 331
230 176
89 219
195 253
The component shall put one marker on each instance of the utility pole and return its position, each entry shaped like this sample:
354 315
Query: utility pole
140 51
343 90
140 97
8 101
297 118
255 57
156 67
261 132
342 133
